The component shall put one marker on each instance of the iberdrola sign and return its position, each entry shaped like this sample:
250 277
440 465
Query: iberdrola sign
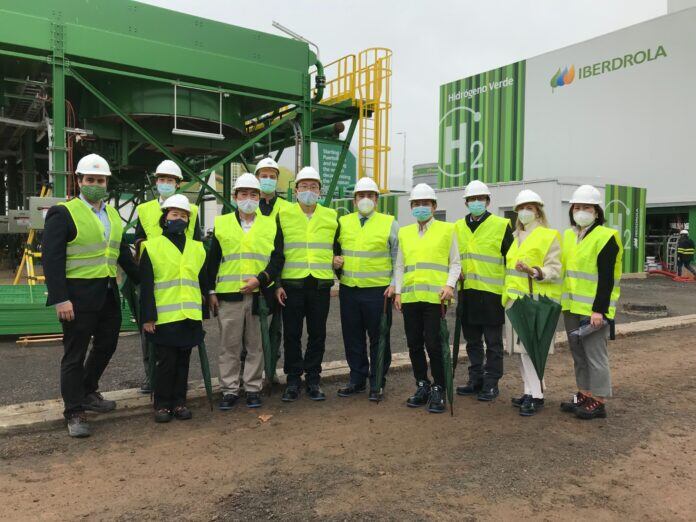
565 76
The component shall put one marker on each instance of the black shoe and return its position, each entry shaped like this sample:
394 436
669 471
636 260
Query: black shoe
253 400
519 401
95 401
376 396
437 400
228 401
591 409
350 390
78 426
315 393
471 388
572 405
163 415
531 406
182 413
420 398
146 388
291 393
488 394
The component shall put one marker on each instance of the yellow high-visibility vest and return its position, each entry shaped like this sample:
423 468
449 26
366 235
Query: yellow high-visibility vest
150 212
177 292
482 263
89 255
244 255
426 261
308 243
580 274
532 251
365 249
279 204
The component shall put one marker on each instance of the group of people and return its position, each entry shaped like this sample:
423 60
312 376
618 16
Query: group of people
289 255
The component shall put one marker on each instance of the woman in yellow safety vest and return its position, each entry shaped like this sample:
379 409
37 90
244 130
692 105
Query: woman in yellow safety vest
592 256
172 283
535 255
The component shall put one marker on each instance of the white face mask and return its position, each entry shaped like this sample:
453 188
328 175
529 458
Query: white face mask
248 206
583 218
526 216
366 206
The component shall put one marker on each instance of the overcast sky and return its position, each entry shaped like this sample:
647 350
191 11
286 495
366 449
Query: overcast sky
434 42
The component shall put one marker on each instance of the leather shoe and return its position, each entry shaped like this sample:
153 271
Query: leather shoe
228 401
488 394
182 413
420 398
591 409
253 400
437 400
350 390
78 427
163 415
573 404
315 393
291 393
531 406
95 401
471 388
519 401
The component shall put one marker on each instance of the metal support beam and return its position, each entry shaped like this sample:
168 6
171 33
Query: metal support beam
226 184
58 149
279 154
341 160
21 123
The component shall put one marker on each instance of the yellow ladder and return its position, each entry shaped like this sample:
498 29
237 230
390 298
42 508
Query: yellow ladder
30 254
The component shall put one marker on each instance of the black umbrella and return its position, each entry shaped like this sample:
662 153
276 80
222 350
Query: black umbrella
269 361
205 371
446 356
382 347
457 327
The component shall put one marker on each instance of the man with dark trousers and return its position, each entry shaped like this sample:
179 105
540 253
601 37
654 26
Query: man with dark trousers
82 246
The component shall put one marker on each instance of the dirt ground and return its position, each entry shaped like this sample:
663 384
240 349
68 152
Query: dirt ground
348 459
31 373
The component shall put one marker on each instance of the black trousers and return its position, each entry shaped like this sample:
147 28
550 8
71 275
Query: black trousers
312 304
79 371
488 373
361 314
171 376
422 324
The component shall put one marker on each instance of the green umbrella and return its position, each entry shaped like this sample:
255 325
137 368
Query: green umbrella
446 356
276 333
382 347
535 322
205 370
457 328
268 359
151 363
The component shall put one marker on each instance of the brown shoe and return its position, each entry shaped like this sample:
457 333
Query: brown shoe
591 409
577 401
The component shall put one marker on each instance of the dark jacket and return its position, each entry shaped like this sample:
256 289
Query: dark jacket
141 236
180 334
85 294
606 259
686 243
481 307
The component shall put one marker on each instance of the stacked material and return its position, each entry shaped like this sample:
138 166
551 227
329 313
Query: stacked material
651 264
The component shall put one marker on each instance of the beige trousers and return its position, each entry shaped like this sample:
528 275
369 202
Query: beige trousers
237 323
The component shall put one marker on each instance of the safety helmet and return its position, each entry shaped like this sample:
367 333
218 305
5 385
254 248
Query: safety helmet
307 173
366 185
528 196
422 191
684 231
93 164
266 163
177 201
476 188
169 168
247 181
586 194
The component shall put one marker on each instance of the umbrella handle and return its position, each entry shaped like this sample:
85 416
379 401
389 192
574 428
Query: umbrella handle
531 287
386 304
443 310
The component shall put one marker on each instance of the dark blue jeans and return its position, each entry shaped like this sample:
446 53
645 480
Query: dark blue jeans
361 312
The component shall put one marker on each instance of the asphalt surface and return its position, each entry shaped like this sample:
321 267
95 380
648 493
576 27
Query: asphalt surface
32 373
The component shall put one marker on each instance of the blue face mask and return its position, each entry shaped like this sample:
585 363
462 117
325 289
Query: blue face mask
422 213
307 197
477 207
166 189
268 185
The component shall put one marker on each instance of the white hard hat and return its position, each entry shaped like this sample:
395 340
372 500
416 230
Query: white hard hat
169 168
422 191
684 231
266 163
366 185
586 194
476 188
93 164
247 181
307 173
177 201
528 196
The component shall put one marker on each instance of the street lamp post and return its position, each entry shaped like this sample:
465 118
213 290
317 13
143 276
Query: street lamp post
403 159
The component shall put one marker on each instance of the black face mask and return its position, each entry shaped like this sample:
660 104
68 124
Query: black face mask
176 226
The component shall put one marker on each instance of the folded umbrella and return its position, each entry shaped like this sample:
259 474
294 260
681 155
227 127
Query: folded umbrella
205 371
382 347
457 327
269 361
446 356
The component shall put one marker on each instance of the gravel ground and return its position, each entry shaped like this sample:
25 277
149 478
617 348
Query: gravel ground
31 373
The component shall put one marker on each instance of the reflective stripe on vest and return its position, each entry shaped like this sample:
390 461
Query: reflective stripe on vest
532 252
482 263
308 243
177 293
580 270
244 254
426 261
89 255
150 212
365 249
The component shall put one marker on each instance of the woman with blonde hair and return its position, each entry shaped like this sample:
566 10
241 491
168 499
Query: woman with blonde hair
534 260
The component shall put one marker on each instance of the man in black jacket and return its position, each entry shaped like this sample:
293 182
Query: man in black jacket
685 253
82 244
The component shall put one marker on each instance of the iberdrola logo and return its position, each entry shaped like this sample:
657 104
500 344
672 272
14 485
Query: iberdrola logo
564 77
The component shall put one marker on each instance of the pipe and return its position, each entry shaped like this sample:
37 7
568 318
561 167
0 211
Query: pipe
319 82
672 276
